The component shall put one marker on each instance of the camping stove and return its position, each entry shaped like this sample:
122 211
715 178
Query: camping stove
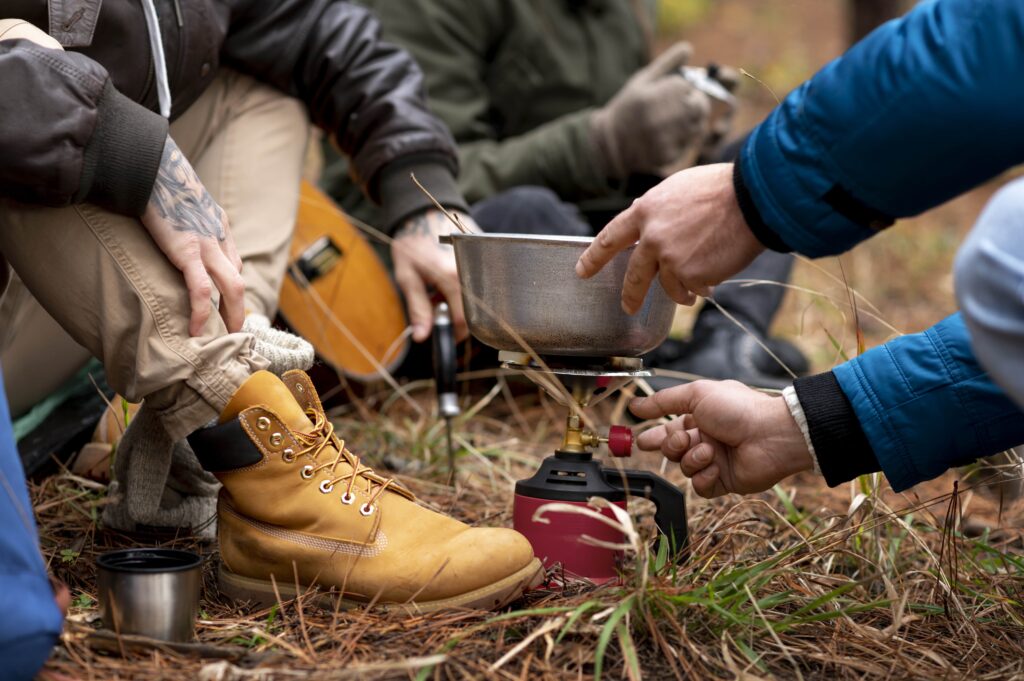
520 292
572 476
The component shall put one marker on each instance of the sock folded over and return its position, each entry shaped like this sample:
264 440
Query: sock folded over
284 351
159 483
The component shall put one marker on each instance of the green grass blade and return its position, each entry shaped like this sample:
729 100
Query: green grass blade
575 616
607 631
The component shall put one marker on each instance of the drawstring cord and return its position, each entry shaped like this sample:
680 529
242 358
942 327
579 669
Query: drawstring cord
156 46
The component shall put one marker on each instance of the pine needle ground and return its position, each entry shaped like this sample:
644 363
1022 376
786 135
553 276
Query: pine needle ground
800 582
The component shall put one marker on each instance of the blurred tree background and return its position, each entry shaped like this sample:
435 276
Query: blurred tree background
865 15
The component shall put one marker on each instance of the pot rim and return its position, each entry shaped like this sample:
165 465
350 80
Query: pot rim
552 239
120 561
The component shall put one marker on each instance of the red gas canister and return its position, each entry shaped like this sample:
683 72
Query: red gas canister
573 478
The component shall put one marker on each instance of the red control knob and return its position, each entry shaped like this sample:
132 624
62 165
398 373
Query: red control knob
620 441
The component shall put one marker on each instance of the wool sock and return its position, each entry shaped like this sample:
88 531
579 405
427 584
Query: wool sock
158 482
284 351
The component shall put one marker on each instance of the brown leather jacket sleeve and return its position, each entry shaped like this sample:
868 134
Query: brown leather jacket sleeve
64 129
367 93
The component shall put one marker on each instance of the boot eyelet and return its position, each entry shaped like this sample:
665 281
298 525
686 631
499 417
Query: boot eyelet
307 472
276 439
288 455
326 486
366 509
348 498
262 423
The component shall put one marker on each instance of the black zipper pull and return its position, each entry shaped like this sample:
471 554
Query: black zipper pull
177 13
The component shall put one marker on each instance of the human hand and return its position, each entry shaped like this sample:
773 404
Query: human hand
729 438
688 230
61 595
421 262
654 120
192 231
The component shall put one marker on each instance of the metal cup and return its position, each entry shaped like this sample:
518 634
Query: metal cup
150 592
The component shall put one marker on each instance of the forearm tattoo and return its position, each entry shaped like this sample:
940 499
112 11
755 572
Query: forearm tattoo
416 226
430 223
181 199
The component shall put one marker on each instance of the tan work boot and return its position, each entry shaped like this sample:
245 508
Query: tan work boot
298 507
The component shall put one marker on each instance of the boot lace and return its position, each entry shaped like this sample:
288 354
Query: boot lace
317 440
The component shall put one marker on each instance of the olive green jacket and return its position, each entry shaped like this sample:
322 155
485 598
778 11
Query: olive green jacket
517 81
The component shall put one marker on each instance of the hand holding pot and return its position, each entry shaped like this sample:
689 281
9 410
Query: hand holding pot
421 262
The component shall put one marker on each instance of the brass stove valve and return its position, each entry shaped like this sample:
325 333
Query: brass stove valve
579 439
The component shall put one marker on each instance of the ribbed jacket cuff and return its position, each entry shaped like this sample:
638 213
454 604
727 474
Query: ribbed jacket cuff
122 158
401 198
842 450
752 215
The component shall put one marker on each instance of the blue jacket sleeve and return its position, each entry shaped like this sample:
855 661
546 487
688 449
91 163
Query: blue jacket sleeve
921 110
33 622
926 405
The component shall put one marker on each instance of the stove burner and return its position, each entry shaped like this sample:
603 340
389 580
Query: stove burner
575 382
632 367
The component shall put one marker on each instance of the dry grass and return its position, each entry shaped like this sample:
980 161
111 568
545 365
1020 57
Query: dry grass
796 583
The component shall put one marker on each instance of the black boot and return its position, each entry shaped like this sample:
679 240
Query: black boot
720 349
728 353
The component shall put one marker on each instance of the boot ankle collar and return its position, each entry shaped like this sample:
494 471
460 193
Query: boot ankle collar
226 447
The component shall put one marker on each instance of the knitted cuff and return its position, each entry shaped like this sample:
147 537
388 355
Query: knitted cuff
284 351
400 197
122 158
841 448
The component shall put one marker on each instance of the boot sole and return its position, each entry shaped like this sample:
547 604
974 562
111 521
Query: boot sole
261 593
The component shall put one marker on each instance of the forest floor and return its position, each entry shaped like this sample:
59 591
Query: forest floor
799 582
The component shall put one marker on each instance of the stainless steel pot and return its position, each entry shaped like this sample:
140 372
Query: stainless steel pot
527 284
150 592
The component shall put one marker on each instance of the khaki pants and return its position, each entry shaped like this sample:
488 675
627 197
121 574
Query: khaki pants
102 278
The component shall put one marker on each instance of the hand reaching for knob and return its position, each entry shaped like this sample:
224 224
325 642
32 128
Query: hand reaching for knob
727 437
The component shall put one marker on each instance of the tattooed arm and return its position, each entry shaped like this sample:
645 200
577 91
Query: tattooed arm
193 232
421 262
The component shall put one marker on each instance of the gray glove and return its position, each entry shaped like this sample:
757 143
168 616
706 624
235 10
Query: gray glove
653 121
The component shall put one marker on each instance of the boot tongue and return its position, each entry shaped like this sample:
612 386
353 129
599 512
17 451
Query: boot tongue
264 389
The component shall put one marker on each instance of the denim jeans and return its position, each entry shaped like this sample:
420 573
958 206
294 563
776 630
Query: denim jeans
33 621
